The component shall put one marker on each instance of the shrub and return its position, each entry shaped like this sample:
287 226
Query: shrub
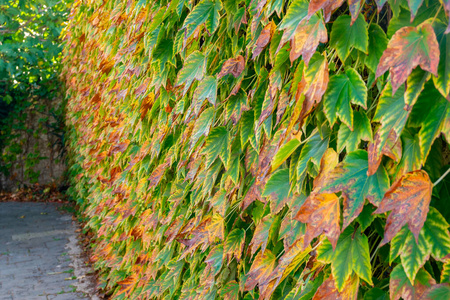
30 91
260 149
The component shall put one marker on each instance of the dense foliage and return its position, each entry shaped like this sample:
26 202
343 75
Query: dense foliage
29 70
261 149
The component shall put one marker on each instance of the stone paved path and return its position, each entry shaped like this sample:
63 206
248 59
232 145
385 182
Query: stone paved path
34 253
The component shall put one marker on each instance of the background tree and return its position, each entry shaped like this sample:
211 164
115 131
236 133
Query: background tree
29 68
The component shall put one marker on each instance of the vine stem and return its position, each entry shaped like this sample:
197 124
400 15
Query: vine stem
434 18
442 177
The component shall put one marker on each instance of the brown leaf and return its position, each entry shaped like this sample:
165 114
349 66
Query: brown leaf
119 147
408 48
408 200
282 105
355 7
233 66
142 88
264 38
392 149
264 168
261 234
328 290
329 6
157 174
306 38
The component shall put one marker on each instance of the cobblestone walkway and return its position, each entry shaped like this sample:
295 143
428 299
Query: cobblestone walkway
35 259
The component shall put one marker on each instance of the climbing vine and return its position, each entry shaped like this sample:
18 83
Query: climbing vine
268 149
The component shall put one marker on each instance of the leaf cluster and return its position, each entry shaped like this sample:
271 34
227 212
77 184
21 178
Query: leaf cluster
244 149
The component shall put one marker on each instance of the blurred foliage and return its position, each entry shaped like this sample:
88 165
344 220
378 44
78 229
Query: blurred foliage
29 69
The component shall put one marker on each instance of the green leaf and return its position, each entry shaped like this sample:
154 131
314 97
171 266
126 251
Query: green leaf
325 251
344 36
442 80
351 254
439 292
436 234
215 259
445 275
397 244
376 294
377 44
217 143
410 160
206 89
350 178
285 151
415 84
366 217
194 68
246 126
234 244
309 289
230 291
432 114
202 124
297 12
361 256
277 190
413 255
313 151
344 90
235 106
393 114
233 168
414 6
206 12
361 131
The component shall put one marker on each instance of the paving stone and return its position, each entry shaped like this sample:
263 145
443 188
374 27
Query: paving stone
33 239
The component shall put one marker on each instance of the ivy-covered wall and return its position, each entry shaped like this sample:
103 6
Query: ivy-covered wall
243 149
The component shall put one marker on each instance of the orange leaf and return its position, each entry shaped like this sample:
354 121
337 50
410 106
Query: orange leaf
306 38
260 271
264 38
408 200
321 214
408 48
